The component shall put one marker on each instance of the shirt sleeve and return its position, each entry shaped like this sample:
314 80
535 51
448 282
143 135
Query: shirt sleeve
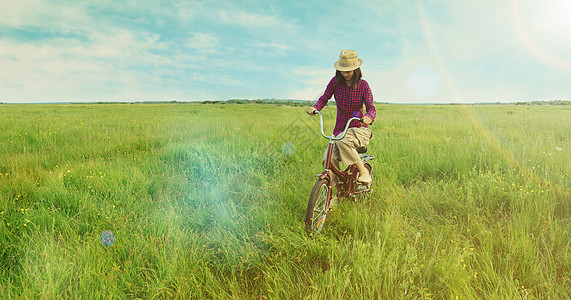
326 95
368 100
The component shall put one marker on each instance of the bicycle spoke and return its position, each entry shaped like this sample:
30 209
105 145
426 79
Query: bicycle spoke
317 206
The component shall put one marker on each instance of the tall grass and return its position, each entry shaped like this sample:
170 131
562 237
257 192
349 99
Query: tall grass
470 202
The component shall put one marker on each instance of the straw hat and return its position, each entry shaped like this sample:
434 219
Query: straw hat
348 61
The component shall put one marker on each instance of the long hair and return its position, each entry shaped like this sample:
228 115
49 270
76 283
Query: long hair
339 79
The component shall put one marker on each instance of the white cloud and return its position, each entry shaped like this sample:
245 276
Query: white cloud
65 69
315 75
187 12
311 82
247 19
202 41
273 45
40 13
309 93
53 73
255 21
105 61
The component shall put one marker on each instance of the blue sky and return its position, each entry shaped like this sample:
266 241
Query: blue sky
413 51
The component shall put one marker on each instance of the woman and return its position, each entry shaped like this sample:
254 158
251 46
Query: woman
351 93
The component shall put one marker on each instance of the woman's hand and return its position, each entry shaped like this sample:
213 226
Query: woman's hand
310 110
367 120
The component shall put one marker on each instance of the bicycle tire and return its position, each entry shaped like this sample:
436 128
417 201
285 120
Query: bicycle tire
317 204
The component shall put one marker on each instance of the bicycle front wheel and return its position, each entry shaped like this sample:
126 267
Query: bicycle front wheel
317 206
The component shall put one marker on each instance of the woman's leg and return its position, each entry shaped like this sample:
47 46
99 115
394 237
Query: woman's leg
355 137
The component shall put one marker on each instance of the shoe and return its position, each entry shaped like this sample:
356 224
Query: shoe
365 178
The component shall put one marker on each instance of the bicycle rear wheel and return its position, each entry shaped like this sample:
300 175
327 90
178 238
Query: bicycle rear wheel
317 206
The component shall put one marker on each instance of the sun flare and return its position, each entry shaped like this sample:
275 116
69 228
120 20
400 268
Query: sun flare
545 29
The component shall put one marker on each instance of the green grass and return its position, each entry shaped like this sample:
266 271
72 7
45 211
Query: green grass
470 202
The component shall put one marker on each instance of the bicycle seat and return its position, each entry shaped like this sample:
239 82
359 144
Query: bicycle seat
363 149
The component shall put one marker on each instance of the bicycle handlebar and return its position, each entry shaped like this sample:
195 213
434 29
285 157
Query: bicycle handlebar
332 137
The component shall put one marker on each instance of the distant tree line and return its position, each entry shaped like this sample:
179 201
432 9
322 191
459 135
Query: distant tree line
297 103
551 102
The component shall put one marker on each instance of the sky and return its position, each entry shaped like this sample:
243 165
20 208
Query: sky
438 51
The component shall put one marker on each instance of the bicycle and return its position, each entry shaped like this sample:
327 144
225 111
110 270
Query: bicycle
320 199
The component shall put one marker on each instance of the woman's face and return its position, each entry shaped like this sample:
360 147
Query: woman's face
348 74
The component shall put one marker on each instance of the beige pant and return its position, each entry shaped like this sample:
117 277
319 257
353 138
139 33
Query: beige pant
345 150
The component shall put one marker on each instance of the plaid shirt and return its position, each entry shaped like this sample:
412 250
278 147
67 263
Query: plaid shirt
349 103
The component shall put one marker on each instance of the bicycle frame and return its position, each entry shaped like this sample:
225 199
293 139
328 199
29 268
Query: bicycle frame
347 177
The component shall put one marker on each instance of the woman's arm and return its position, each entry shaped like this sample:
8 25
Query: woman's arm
369 105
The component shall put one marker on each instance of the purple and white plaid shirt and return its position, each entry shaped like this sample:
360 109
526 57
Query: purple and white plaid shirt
349 103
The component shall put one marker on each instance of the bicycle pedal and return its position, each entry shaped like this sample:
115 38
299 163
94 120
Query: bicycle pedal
363 183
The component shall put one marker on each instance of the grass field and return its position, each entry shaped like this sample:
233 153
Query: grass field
470 202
